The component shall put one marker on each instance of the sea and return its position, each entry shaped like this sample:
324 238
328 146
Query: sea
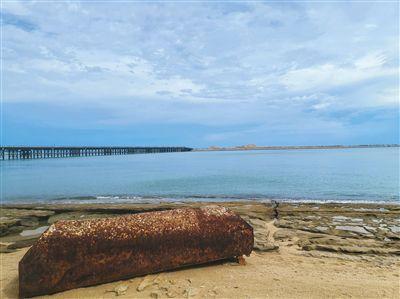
317 175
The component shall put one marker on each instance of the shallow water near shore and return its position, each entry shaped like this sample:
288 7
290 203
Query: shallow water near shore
360 175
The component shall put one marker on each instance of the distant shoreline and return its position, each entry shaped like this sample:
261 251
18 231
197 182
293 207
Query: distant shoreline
291 147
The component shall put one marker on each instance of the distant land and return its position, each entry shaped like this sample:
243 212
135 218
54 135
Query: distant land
248 147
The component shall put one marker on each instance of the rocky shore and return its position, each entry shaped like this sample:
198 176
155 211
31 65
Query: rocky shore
366 236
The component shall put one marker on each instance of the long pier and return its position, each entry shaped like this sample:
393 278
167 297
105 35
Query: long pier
39 152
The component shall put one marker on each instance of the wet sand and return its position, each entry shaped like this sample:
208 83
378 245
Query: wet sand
301 251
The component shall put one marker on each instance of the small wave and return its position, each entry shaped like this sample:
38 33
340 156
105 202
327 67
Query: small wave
213 198
341 201
115 199
75 198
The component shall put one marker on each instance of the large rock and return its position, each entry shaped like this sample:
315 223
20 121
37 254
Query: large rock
80 253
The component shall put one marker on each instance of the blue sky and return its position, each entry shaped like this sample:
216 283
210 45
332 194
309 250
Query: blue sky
200 74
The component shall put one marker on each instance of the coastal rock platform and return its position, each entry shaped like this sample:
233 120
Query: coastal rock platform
301 250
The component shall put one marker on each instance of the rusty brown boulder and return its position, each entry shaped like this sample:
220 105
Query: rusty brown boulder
80 253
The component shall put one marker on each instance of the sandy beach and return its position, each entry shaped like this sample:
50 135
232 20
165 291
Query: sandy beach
301 251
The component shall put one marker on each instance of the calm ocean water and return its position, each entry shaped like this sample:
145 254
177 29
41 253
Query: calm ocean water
370 174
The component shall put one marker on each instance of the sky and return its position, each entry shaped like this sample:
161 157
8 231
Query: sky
200 73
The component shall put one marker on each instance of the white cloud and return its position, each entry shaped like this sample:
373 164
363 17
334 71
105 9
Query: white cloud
329 75
372 60
371 26
386 97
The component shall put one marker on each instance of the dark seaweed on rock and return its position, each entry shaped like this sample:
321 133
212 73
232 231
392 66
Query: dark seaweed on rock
79 253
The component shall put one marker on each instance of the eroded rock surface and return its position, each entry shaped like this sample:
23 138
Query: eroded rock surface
13 221
310 227
343 228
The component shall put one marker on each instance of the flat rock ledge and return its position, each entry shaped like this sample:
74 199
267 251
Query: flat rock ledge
354 229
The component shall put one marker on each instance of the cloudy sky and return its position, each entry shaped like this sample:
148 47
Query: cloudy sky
200 74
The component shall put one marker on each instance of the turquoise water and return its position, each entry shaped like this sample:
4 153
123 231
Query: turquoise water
369 174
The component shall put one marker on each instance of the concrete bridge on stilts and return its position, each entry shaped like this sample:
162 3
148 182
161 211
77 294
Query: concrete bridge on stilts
41 152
